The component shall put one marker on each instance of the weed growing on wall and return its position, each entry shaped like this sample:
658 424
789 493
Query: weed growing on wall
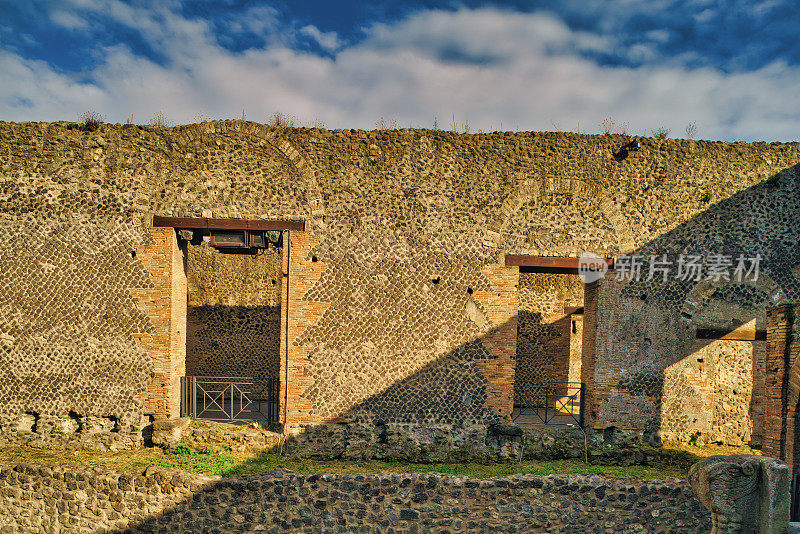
691 130
386 124
662 132
160 120
609 126
456 127
199 117
90 121
282 120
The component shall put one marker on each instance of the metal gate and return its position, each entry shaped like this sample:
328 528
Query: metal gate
230 399
549 403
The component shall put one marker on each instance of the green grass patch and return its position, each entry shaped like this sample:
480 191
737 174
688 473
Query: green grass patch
664 463
204 461
216 463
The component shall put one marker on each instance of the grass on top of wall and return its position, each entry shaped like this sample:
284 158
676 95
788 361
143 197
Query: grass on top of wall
209 462
472 470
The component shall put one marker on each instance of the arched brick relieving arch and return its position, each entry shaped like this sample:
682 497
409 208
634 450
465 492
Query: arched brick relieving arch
544 189
706 288
261 134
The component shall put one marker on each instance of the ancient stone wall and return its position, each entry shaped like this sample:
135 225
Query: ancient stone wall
406 225
233 341
710 395
233 279
68 499
649 359
69 319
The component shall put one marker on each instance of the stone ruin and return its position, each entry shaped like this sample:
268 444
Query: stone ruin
745 494
390 302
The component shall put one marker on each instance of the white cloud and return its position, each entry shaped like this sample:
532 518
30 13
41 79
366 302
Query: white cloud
642 53
485 66
262 20
482 34
70 21
704 16
52 96
659 36
327 40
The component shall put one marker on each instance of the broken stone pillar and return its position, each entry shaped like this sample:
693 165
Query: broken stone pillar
745 493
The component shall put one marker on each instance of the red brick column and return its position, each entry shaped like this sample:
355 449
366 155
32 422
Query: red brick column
502 307
301 271
165 305
792 457
590 295
782 384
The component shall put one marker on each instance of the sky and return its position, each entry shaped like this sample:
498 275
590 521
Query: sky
729 68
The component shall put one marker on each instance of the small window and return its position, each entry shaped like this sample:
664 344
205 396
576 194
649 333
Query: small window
228 239
257 239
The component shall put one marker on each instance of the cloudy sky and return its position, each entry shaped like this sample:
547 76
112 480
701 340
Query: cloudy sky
732 67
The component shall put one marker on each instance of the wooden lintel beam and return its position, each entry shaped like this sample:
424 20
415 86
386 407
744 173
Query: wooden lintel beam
191 223
573 310
738 334
548 262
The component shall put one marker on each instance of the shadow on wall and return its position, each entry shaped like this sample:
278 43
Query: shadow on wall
651 370
451 391
381 426
233 316
233 341
651 373
543 348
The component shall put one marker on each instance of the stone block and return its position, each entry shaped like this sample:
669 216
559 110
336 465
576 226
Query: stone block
745 493
54 424
23 423
95 425
168 432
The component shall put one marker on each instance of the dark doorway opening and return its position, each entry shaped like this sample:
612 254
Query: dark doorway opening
233 338
547 382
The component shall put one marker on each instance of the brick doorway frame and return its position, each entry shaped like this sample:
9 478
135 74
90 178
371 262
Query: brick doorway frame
571 266
165 302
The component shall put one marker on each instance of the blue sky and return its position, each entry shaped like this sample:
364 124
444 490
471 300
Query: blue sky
731 68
